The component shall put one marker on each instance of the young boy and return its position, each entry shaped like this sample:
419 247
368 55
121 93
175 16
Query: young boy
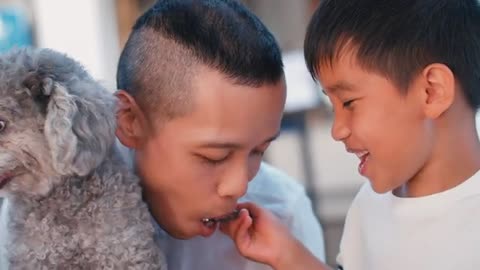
404 81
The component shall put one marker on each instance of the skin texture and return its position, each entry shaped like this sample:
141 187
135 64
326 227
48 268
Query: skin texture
221 141
69 201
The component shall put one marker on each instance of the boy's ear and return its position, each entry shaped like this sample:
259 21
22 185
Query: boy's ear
131 125
439 90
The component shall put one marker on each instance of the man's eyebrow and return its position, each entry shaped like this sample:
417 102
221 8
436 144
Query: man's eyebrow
234 145
339 86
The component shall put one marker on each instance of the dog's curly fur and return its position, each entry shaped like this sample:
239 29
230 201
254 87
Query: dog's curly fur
69 202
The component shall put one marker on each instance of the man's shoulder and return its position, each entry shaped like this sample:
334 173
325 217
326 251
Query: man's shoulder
270 180
125 153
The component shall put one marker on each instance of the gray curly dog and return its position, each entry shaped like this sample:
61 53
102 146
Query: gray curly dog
69 202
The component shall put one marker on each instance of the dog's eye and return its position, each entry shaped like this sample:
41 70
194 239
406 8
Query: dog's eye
3 125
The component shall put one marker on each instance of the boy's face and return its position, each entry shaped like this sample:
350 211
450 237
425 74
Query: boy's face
376 121
197 166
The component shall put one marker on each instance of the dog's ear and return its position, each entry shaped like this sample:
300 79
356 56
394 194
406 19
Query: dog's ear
79 123
39 87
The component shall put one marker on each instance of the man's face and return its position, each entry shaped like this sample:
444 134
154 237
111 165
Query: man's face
197 166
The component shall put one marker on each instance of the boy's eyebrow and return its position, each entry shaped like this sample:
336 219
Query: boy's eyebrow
339 86
234 145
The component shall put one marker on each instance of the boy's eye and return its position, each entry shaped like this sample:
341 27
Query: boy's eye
348 103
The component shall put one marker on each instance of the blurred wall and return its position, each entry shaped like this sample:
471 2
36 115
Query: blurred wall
86 30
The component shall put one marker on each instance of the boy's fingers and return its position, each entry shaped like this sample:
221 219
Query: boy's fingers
252 208
243 221
242 236
238 229
230 227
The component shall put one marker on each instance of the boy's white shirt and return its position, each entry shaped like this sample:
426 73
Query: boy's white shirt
440 231
270 189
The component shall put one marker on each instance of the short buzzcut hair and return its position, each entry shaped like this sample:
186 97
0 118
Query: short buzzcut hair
398 38
174 37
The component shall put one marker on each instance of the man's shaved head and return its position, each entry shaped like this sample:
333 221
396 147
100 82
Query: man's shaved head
174 38
157 72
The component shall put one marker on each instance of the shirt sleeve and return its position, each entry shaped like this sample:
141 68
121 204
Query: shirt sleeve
305 226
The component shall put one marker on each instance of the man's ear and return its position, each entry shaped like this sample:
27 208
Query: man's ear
439 91
131 122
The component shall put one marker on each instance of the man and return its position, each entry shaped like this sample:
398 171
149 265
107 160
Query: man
201 96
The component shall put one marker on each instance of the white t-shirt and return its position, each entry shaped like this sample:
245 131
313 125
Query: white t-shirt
270 189
436 232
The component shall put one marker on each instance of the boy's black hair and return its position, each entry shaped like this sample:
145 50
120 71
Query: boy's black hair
398 38
174 37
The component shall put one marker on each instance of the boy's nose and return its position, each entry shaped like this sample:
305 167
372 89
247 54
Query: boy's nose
340 130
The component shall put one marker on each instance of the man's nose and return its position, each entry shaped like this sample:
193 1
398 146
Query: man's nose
234 184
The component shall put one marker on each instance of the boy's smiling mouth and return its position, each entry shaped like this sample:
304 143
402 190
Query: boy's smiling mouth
363 156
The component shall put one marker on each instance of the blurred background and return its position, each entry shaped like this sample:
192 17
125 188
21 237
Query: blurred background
94 31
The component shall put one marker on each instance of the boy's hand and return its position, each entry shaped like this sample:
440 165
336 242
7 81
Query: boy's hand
259 235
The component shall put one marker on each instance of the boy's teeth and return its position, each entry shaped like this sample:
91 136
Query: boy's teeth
361 154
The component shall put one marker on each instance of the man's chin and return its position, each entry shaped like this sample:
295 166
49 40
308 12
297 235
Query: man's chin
174 230
180 234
